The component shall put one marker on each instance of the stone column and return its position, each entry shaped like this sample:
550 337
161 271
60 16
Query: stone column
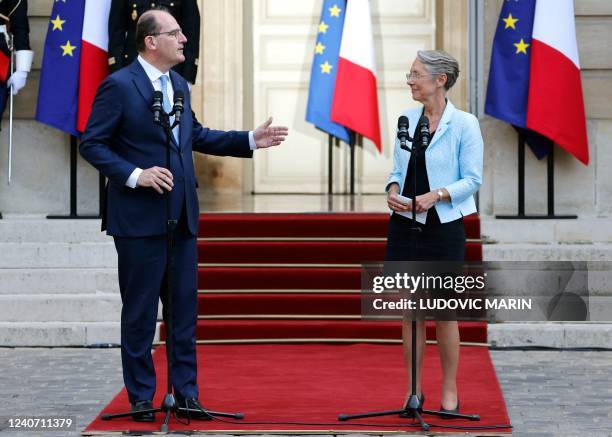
452 20
219 91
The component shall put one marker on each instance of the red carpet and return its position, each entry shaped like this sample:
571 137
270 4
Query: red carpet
279 278
321 330
296 276
300 252
315 382
315 225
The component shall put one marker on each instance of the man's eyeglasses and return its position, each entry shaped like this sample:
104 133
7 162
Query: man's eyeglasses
417 76
172 33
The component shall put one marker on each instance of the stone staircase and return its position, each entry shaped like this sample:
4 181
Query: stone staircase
58 283
58 280
585 239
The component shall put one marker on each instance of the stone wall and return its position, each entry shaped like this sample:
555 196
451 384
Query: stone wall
41 155
579 189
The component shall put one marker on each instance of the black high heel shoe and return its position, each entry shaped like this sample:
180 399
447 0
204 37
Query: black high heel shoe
444 410
407 414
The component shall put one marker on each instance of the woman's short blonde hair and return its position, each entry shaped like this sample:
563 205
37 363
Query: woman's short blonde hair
439 62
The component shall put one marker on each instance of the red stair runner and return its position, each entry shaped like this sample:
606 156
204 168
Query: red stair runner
314 225
274 278
301 252
339 304
297 276
322 330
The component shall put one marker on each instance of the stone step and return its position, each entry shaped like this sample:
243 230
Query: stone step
26 229
100 307
91 280
554 335
33 281
58 255
54 334
103 254
23 229
547 252
547 334
583 229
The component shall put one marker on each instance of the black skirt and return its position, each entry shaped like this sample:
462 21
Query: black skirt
435 242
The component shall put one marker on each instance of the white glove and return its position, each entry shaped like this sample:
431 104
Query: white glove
23 64
17 81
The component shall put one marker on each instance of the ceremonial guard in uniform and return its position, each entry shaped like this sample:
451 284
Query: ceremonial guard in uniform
14 37
14 30
122 32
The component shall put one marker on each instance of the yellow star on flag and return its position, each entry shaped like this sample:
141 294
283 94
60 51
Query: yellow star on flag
319 48
323 27
334 11
510 21
326 68
57 23
68 49
521 47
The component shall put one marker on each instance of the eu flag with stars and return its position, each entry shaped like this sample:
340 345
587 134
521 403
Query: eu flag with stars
324 69
508 88
59 78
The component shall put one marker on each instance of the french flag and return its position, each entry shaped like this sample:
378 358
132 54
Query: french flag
555 106
355 101
94 59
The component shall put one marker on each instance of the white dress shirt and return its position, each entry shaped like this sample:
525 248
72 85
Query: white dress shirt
154 74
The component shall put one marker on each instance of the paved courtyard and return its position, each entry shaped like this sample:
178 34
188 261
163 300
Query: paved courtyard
548 393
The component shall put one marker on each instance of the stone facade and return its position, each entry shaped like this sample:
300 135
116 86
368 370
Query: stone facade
223 94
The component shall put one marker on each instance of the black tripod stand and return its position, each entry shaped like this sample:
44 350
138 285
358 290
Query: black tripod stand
413 408
169 405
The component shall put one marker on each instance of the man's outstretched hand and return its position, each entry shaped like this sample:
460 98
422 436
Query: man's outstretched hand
158 178
269 136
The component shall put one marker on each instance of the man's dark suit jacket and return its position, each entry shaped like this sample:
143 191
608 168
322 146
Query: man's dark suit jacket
121 136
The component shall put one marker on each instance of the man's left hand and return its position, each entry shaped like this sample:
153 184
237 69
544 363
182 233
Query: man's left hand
268 136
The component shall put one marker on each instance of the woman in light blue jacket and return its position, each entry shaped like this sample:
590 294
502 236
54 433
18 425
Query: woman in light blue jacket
449 172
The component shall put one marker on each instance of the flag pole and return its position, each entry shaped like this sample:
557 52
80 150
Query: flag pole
551 188
73 187
11 110
331 140
352 146
357 142
550 164
330 164
521 174
521 187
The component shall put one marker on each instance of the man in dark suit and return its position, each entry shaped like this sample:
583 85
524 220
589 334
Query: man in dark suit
122 21
122 141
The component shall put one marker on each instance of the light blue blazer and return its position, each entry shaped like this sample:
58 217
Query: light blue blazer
453 159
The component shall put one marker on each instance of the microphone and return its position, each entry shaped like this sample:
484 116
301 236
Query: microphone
402 131
179 106
424 131
156 106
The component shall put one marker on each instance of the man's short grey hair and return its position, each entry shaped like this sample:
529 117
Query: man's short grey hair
439 62
147 25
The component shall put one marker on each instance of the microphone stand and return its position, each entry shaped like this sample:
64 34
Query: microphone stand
169 405
413 408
